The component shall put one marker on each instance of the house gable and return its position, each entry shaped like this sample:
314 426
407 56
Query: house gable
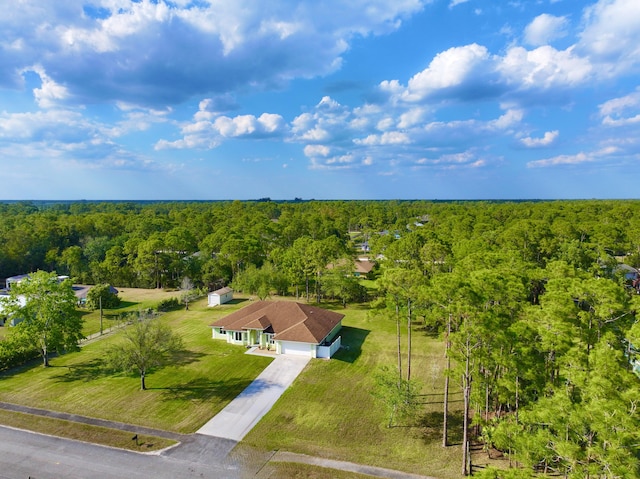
283 321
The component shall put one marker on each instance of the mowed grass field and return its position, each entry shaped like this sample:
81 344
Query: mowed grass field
329 411
132 299
181 396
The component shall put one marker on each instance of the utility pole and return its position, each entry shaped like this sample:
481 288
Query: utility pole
100 301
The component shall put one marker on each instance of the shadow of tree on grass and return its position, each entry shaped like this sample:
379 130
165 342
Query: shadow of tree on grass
186 356
205 389
98 368
83 372
432 422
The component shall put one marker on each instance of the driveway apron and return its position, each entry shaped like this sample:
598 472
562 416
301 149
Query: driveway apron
244 412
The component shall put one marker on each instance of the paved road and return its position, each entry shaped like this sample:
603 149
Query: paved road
244 412
95 421
24 454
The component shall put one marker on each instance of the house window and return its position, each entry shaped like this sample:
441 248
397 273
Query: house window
270 339
222 331
238 335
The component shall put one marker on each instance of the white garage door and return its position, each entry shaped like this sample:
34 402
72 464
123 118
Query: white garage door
297 349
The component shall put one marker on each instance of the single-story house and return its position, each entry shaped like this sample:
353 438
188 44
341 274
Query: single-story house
4 296
15 280
220 296
21 277
81 290
362 267
285 327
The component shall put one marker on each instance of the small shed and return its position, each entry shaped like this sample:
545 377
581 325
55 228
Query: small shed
220 296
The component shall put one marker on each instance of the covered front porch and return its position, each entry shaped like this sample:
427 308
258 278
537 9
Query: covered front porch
261 339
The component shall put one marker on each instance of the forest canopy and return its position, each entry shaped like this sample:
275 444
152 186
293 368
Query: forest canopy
158 244
536 300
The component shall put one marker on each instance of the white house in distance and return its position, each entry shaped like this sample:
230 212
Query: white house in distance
220 296
285 327
4 296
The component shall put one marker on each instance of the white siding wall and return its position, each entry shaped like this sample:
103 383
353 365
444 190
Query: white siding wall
217 334
325 352
218 299
213 299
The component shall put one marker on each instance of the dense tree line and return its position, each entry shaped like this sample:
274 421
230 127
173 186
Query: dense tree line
538 318
540 322
158 244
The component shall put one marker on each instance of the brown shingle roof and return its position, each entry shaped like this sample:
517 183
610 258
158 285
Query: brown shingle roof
289 321
364 266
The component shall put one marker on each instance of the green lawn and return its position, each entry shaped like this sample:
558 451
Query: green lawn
83 432
330 411
133 299
305 471
181 397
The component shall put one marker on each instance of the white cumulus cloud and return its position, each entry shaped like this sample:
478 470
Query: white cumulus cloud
576 159
544 68
544 29
621 111
449 69
611 35
210 134
161 52
50 93
547 139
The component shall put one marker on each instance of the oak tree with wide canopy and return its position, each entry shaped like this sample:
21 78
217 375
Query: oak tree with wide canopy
43 307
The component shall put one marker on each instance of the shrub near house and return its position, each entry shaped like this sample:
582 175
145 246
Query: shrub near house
103 295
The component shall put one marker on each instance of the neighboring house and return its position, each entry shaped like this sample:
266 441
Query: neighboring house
630 273
361 266
81 290
285 327
364 267
4 296
21 277
15 280
631 276
220 296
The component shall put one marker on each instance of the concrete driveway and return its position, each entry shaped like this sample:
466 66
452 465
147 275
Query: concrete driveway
244 412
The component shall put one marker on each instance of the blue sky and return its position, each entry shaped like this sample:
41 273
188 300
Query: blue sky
365 99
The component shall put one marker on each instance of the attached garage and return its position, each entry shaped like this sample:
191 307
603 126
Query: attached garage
286 326
296 349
